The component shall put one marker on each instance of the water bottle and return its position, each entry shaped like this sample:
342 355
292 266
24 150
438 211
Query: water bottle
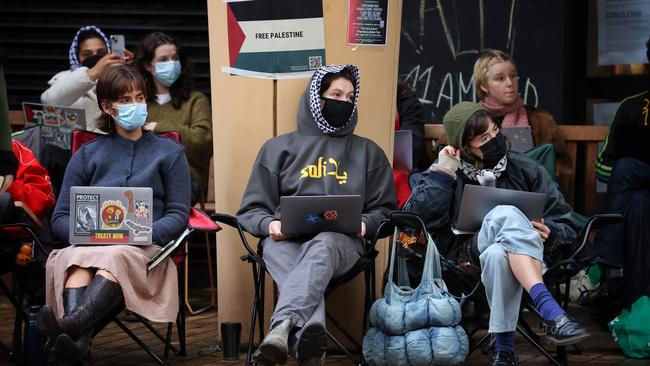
34 340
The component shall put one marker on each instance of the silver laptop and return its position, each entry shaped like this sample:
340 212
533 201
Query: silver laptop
111 215
478 201
315 214
56 122
520 137
403 151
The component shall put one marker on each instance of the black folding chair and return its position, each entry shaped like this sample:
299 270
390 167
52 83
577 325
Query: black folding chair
365 264
574 257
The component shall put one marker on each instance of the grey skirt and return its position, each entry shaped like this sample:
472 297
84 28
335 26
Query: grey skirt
153 295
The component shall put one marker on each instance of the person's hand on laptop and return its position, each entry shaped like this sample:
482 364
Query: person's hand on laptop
275 231
543 230
362 233
448 161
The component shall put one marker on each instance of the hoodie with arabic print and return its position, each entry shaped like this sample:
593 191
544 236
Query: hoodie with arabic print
318 159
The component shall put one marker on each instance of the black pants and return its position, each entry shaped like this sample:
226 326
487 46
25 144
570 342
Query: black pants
628 244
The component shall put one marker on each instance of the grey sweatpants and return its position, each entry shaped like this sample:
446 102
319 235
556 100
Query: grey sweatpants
505 230
302 271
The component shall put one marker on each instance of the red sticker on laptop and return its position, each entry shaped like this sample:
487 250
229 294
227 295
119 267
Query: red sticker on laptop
330 215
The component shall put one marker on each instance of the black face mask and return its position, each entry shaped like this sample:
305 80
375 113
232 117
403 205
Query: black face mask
337 113
493 151
91 61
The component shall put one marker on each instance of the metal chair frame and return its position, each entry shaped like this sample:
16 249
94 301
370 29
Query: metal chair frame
365 264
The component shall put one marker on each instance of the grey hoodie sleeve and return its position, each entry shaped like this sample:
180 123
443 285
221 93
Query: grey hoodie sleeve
261 199
380 198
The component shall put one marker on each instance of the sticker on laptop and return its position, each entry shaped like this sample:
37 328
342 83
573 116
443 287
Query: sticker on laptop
329 215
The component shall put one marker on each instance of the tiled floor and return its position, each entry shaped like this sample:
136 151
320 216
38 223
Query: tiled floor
112 347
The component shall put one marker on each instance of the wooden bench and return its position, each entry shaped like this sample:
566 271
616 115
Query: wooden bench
584 137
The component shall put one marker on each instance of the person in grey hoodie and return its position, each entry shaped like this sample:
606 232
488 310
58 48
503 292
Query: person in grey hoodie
323 157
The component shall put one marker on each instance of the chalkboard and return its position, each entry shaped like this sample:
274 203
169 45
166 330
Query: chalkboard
440 40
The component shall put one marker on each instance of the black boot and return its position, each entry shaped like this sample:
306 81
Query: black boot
67 350
71 297
100 297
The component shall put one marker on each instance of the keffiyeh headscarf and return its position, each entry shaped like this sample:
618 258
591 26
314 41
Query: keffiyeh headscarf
314 95
73 54
484 177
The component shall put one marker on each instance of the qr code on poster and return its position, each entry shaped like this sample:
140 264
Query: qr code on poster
315 62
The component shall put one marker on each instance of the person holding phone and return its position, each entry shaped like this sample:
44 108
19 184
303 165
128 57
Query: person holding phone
89 56
174 105
509 248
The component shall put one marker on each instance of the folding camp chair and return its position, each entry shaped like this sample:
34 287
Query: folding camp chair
365 264
28 278
571 260
197 222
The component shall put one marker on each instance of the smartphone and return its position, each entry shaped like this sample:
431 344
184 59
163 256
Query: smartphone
117 44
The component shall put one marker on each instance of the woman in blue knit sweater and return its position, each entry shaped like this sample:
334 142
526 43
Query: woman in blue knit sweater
85 282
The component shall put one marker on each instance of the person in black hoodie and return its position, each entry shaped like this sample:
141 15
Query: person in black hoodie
627 244
509 248
303 266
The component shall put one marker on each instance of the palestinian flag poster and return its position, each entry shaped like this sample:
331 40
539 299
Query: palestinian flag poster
275 39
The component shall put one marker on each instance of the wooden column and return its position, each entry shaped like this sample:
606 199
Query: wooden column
246 112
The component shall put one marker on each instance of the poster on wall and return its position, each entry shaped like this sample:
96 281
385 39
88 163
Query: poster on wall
275 39
623 29
367 22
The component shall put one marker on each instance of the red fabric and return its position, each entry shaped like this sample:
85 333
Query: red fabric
198 220
81 137
401 178
32 183
402 187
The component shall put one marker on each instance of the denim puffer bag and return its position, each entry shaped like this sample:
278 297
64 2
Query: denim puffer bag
415 326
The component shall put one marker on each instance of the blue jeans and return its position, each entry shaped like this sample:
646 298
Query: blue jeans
627 244
505 230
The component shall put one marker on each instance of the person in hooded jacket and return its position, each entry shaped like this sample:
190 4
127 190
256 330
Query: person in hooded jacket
303 266
89 55
509 248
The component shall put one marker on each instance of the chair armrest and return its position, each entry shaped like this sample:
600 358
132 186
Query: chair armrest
232 222
32 218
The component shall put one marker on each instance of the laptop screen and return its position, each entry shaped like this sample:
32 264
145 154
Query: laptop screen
111 215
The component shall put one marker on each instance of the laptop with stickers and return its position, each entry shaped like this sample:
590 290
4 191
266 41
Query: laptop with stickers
111 215
315 214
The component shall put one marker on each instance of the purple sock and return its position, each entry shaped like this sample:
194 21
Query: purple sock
544 302
505 341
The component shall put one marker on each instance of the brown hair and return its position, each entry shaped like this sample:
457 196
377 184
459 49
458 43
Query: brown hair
111 84
482 65
476 125
329 78
181 89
